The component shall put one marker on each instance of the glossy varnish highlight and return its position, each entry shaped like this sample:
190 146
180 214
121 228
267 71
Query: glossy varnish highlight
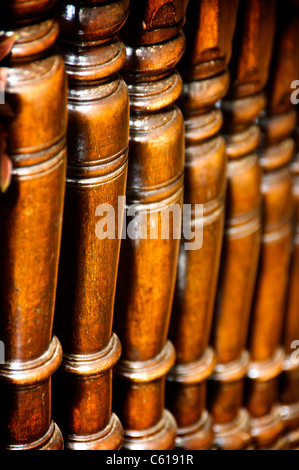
147 269
31 221
275 154
98 135
252 48
209 30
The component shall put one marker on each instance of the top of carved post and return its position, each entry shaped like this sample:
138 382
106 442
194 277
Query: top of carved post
12 12
154 45
91 22
249 71
252 47
85 27
209 29
279 120
153 21
285 62
33 24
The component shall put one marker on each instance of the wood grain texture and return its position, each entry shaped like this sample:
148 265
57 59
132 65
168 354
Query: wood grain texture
148 262
289 380
270 315
252 48
115 334
209 30
276 152
98 136
31 221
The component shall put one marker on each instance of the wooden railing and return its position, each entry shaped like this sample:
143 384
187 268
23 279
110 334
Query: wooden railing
116 117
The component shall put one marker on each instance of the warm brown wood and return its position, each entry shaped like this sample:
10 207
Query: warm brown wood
21 11
209 29
98 136
289 381
208 337
245 100
277 149
31 219
147 269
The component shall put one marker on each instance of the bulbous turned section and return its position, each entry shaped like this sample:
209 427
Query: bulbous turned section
266 424
98 136
205 82
231 420
154 22
92 374
245 100
146 432
187 400
25 11
31 222
148 259
234 434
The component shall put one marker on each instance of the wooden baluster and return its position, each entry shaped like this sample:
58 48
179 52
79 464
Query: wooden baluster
276 151
24 11
148 265
98 136
31 219
245 100
209 29
289 380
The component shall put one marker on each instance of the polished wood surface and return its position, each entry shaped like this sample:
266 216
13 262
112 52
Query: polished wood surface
31 220
98 137
289 379
149 224
252 48
275 153
209 30
147 270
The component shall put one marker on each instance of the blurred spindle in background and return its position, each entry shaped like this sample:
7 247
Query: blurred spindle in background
252 48
209 31
275 154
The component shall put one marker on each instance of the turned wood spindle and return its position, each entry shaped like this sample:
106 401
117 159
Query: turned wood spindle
252 47
98 136
289 380
148 262
31 221
275 153
209 29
